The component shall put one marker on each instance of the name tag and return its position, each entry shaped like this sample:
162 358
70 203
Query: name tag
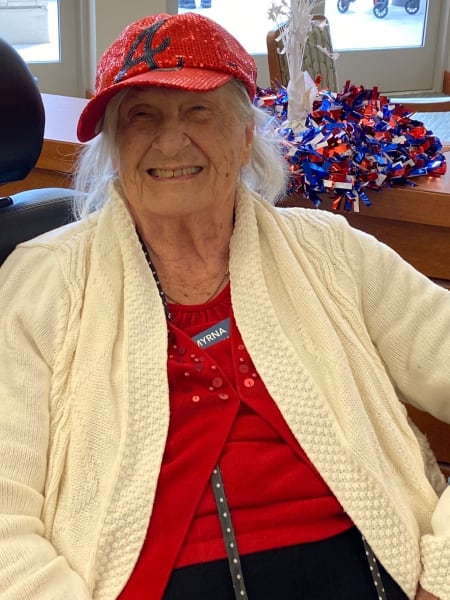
213 335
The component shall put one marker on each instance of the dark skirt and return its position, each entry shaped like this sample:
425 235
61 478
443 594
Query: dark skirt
332 569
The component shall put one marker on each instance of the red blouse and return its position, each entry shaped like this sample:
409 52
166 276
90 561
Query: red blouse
222 412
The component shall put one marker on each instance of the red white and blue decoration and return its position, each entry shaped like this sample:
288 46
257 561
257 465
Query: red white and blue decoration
340 144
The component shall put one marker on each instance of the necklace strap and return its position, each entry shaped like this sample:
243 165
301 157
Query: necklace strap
155 277
164 296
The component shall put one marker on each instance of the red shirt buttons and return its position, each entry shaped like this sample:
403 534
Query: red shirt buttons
217 382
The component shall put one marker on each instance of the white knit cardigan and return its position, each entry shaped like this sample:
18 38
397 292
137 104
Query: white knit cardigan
338 326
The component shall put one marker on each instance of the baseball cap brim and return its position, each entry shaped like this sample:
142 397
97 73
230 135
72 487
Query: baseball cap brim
189 79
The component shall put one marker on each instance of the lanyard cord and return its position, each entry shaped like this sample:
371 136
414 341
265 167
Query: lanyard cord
223 510
234 562
374 570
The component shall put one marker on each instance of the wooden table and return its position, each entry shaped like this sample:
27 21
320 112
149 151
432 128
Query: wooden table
414 221
60 148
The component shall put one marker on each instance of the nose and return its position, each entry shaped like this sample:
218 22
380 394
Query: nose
170 138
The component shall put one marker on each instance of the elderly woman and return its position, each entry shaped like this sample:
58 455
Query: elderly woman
202 395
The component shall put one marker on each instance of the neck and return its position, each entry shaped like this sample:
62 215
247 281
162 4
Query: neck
205 295
192 237
191 263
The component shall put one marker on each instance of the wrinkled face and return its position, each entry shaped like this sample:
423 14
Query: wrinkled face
180 152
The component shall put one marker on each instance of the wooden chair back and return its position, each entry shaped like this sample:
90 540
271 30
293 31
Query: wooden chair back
315 61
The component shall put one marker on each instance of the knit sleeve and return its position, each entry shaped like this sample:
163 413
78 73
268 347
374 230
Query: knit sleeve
435 550
405 314
34 303
408 318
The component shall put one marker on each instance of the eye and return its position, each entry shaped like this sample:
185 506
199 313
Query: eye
200 112
140 112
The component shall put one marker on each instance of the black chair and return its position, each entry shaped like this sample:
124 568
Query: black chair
22 119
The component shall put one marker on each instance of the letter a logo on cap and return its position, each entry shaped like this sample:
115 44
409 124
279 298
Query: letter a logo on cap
148 56
185 51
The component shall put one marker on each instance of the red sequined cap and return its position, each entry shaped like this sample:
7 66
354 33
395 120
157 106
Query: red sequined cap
186 51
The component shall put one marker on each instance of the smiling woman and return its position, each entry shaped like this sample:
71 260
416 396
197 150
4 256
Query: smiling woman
213 399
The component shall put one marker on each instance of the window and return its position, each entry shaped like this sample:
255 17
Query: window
44 32
372 47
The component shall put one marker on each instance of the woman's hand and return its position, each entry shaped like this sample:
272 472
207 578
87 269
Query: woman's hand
423 595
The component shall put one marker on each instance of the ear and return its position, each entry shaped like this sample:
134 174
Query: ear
248 141
115 159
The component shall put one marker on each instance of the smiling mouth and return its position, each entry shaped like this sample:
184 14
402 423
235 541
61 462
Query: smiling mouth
171 173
